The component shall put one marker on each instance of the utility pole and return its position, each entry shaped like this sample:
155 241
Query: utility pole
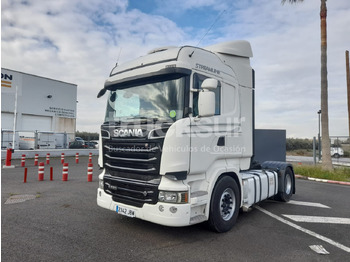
348 83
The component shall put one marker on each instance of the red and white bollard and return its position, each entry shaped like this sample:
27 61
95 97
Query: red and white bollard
36 159
65 172
90 157
48 158
62 158
41 170
89 172
23 161
9 158
77 158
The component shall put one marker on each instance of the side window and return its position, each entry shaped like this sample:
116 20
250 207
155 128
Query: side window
197 82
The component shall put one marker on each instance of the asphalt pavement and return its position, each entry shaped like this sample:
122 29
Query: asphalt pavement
60 221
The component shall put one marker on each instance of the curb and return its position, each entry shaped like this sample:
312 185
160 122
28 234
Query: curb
323 180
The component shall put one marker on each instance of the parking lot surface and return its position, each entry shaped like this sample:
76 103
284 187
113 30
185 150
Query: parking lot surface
60 221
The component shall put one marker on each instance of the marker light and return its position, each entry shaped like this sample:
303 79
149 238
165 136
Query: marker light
100 184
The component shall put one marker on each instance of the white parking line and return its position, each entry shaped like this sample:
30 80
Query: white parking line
311 233
310 204
317 219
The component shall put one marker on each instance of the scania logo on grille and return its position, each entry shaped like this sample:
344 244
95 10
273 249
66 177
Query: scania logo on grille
128 132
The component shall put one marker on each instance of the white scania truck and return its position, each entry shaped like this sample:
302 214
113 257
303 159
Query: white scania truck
177 139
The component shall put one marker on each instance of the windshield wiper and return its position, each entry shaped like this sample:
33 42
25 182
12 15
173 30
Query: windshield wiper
112 122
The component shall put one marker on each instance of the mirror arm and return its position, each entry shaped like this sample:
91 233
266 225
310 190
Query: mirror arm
196 118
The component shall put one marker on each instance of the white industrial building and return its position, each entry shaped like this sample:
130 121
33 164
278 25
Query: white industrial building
44 106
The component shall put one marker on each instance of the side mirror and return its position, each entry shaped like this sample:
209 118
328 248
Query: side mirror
206 98
206 103
101 93
210 84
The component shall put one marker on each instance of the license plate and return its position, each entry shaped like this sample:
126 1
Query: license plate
125 211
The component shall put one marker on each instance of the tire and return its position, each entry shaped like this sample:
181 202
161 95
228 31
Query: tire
224 205
287 190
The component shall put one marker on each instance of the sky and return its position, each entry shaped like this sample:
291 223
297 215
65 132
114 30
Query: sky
80 41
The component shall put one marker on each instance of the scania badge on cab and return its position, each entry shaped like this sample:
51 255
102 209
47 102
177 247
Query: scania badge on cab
177 139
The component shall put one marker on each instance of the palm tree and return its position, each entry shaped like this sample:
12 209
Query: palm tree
326 142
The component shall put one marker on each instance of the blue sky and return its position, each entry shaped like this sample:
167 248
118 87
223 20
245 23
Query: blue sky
184 15
79 41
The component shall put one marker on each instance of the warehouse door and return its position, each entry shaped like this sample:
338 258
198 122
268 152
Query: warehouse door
32 123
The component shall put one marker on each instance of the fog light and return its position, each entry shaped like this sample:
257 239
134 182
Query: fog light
161 208
173 210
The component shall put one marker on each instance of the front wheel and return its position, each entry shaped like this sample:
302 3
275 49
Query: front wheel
224 205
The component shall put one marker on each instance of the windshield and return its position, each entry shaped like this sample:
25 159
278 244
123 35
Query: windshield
159 101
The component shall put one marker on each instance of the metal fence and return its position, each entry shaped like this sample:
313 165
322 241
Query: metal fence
30 140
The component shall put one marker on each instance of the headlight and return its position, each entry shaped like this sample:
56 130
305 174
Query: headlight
173 197
100 184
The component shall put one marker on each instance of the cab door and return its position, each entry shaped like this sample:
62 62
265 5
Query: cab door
207 133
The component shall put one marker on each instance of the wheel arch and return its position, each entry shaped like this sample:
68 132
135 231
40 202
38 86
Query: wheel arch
235 177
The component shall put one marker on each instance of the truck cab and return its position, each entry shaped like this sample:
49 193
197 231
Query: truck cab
177 138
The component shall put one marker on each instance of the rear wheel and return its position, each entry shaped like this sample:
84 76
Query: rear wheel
287 190
224 206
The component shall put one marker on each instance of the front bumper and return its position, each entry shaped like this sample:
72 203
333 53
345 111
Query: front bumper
167 214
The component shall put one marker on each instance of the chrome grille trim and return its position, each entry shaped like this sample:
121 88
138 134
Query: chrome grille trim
131 159
130 168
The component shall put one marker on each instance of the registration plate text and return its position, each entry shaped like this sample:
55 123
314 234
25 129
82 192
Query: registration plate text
125 211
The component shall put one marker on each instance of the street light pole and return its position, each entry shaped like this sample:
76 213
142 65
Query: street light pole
319 137
348 83
14 120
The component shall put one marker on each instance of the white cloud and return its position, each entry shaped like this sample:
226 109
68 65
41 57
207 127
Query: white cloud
286 47
79 42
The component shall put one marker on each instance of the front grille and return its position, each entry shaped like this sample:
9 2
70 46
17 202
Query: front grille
130 191
132 170
141 158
